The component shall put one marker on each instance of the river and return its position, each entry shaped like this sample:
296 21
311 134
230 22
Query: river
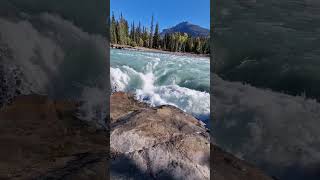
163 79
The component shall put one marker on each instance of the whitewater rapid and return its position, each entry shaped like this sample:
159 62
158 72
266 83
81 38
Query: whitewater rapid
163 79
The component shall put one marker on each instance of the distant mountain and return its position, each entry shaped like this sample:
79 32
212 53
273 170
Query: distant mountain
186 27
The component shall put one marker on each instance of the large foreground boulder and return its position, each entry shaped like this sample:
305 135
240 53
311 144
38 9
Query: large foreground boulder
166 143
42 139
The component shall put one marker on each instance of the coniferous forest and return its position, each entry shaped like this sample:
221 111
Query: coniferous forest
149 37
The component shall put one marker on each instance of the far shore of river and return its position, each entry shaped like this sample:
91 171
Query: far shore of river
127 47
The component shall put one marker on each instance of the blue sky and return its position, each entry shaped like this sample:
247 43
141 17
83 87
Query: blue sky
167 12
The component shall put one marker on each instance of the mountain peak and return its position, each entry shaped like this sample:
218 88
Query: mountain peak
184 23
189 28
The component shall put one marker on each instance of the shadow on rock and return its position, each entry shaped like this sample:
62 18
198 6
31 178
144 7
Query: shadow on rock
124 168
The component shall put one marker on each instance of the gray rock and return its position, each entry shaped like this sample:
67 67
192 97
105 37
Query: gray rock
166 143
160 142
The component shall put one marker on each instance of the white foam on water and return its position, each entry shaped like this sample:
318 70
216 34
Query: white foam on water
195 102
119 79
145 88
44 63
93 108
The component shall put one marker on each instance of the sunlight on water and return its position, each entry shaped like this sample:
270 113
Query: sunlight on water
159 79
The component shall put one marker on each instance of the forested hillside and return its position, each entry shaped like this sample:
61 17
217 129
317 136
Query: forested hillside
137 35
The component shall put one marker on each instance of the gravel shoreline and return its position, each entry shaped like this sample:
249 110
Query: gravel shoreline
127 47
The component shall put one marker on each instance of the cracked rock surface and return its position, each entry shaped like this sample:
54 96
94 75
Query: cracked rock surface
156 143
167 143
42 139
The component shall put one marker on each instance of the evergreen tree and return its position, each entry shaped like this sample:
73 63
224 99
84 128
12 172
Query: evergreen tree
123 31
139 35
132 38
189 44
143 37
113 30
117 32
156 37
151 33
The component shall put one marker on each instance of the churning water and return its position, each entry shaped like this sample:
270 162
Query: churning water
163 79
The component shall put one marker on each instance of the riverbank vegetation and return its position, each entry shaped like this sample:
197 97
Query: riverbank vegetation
149 37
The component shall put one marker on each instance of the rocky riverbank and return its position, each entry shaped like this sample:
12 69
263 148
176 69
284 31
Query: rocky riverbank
159 143
136 48
166 143
43 139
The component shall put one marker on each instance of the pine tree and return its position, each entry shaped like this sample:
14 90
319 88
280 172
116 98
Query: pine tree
117 32
123 31
113 30
145 37
141 36
126 32
197 47
133 35
163 43
189 44
151 33
156 37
